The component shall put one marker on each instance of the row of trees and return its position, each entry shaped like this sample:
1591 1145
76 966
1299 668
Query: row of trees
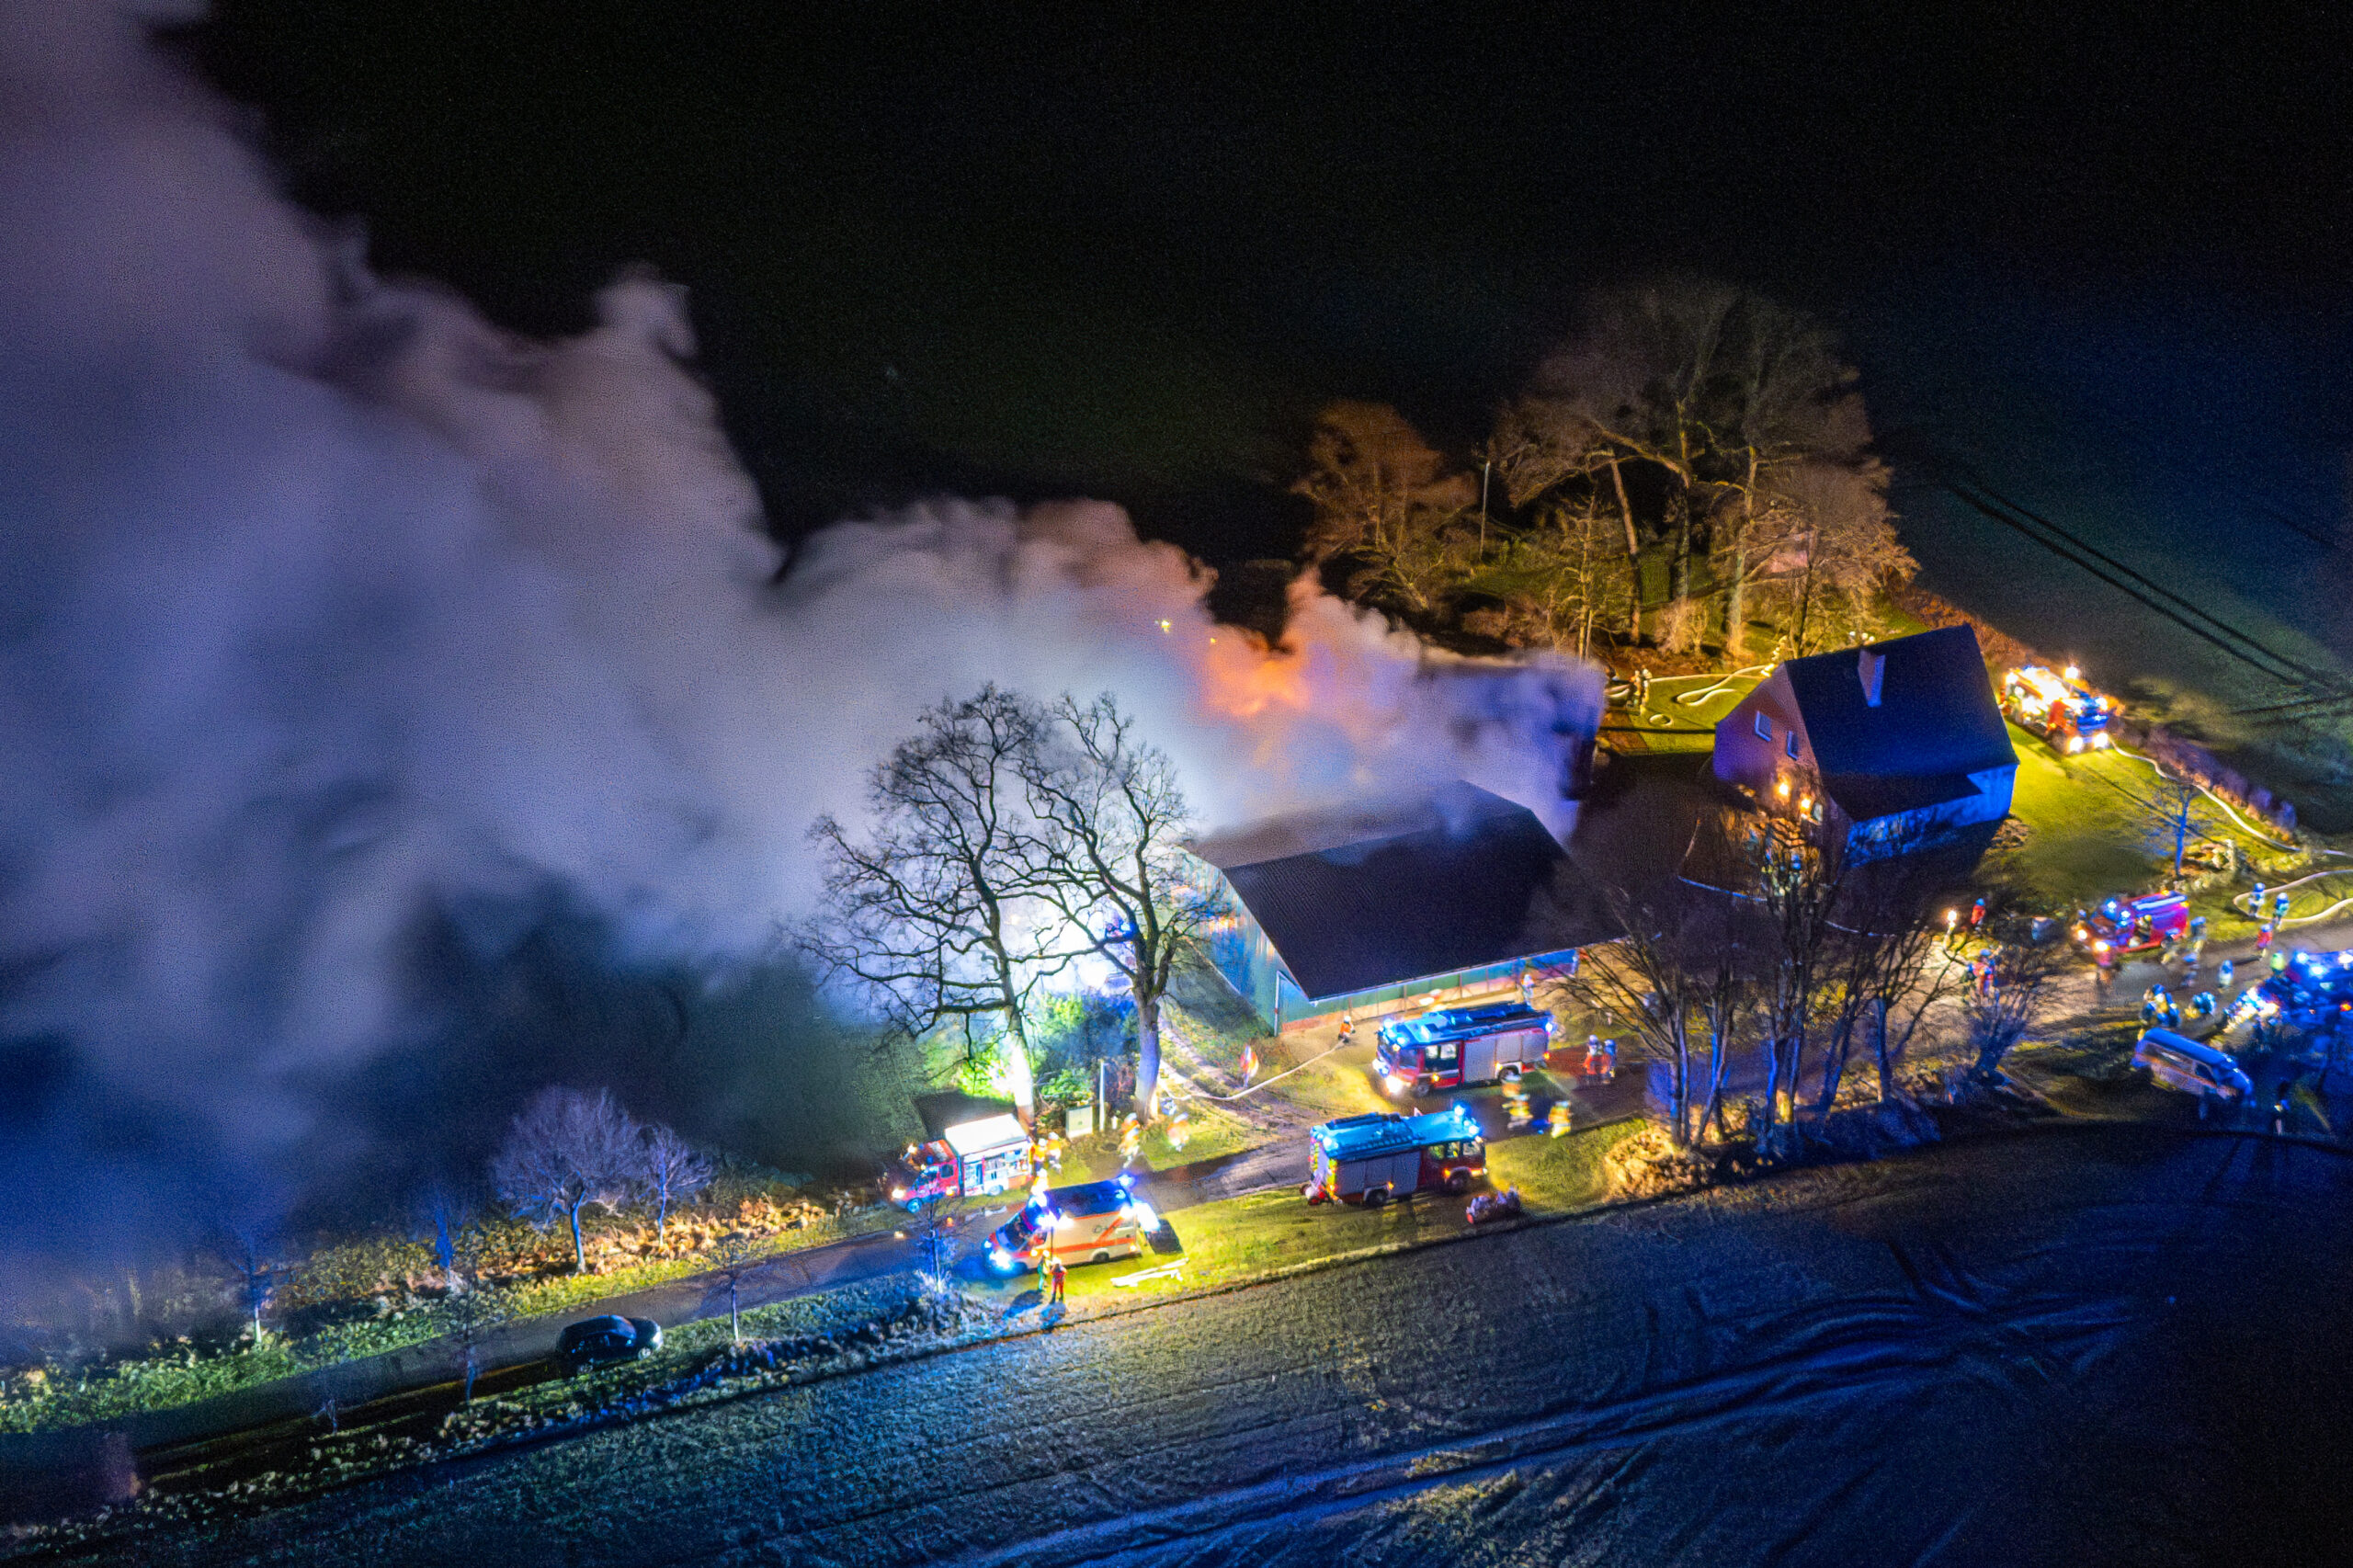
568 1151
1693 443
1795 950
1008 840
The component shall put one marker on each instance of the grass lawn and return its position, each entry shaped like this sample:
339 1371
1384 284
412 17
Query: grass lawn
1665 724
1243 1236
2088 838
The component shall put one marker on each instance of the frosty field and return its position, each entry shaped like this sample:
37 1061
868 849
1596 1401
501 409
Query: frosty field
2092 1345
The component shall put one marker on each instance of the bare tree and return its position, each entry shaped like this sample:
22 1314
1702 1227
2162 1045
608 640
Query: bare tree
2173 811
475 1310
1678 971
254 1253
1795 881
673 1173
438 1214
2002 1010
1384 498
734 1258
1884 969
935 915
565 1150
1745 409
1111 818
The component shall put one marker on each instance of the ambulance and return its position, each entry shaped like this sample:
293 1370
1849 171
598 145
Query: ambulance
1091 1223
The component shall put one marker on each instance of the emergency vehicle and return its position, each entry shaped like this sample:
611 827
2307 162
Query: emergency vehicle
1371 1159
2303 994
972 1160
2054 707
1092 1223
1454 1046
2134 925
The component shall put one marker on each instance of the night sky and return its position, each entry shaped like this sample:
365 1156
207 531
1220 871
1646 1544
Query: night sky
1124 253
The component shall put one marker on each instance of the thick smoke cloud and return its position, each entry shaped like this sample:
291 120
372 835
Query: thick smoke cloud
327 606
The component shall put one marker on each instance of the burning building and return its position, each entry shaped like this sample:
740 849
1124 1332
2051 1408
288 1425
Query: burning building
1366 909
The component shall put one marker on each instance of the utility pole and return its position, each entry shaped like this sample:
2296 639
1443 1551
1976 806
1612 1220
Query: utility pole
1487 472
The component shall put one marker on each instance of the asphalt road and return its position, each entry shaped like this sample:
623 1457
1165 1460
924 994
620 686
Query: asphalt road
2097 1345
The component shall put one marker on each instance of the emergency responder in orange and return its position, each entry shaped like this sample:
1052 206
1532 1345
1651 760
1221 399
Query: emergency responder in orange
1060 1273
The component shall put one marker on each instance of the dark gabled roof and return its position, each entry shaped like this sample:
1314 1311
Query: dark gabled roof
1455 879
1935 722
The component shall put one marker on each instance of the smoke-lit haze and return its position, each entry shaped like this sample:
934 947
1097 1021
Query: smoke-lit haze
326 603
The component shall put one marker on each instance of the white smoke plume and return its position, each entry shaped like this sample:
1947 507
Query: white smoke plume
324 600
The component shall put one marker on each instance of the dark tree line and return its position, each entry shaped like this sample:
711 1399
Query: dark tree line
1694 461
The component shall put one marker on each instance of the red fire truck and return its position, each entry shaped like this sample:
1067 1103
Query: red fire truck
1371 1159
974 1159
2134 925
1092 1223
1454 1046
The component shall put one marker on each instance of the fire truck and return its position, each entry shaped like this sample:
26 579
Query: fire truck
2134 925
972 1160
1091 1223
2054 706
1371 1159
1454 1046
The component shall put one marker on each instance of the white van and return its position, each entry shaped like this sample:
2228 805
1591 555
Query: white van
2177 1062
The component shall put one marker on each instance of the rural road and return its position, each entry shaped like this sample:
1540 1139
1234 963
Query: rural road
1280 1163
2094 1344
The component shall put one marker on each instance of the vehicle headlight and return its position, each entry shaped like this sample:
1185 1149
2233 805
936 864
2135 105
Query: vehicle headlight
1000 1258
900 1193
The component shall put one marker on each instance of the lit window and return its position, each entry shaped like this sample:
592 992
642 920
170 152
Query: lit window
1764 726
1791 743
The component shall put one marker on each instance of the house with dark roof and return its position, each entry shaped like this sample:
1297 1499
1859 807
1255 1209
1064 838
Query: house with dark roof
1369 908
1902 740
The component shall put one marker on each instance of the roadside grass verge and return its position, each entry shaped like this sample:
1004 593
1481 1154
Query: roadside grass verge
1233 1240
59 1394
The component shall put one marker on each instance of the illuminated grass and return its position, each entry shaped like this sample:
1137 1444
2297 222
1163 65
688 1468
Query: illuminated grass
1242 1237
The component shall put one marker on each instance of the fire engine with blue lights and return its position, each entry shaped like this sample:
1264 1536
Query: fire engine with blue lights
2123 925
1453 1047
1373 1159
2310 991
2056 707
1093 1222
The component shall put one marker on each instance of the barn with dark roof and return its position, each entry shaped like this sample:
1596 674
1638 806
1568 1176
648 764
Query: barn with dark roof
1367 909
1900 740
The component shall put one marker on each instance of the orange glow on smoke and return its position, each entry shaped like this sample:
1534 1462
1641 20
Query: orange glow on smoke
1242 678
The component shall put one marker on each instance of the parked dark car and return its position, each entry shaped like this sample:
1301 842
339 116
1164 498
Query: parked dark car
594 1341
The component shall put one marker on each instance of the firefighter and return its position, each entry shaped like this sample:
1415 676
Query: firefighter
1131 1140
1976 915
1181 1128
2280 907
2279 963
1249 1062
1556 1120
2263 940
1348 1027
1527 987
1045 1264
1059 1273
1516 1111
2202 1005
2222 976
